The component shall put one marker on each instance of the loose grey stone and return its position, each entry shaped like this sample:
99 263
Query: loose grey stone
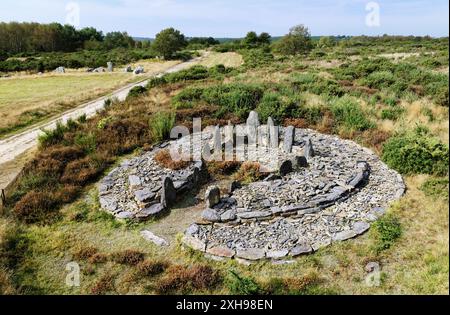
192 229
194 243
300 249
361 227
144 195
212 196
251 254
150 211
228 216
277 254
211 215
321 244
372 266
134 181
149 236
125 215
344 235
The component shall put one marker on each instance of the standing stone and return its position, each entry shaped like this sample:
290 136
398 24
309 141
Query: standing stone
217 143
253 119
60 70
212 196
168 192
233 186
139 70
128 69
273 133
308 151
289 135
110 66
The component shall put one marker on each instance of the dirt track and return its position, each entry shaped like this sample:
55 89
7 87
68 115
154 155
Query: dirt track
16 145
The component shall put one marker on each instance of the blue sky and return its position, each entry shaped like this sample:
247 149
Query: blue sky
233 18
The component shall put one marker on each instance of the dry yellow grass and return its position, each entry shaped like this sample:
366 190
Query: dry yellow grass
229 59
31 97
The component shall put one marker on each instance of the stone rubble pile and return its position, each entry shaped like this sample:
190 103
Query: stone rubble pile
140 188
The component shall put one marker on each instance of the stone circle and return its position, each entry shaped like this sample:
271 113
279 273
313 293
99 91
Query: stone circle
323 189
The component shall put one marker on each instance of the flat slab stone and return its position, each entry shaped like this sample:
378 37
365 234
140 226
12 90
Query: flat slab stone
361 227
254 214
151 211
277 254
251 254
300 249
221 251
125 215
149 236
194 243
344 235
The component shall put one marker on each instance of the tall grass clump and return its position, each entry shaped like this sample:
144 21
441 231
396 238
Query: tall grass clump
161 125
349 114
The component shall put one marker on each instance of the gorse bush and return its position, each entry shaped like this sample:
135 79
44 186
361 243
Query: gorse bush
416 153
349 114
386 231
275 106
239 285
161 125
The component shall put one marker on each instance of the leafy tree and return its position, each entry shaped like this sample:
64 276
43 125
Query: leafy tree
118 39
168 42
326 41
264 38
91 34
251 40
298 41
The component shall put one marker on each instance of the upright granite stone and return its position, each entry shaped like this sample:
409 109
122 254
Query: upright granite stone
308 151
110 66
253 119
273 133
289 135
168 192
60 70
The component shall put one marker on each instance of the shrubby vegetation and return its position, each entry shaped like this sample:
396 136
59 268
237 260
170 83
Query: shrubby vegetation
416 152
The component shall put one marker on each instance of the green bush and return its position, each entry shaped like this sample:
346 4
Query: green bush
87 142
161 125
273 105
239 99
379 79
435 187
416 153
386 231
136 91
239 285
349 114
52 136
